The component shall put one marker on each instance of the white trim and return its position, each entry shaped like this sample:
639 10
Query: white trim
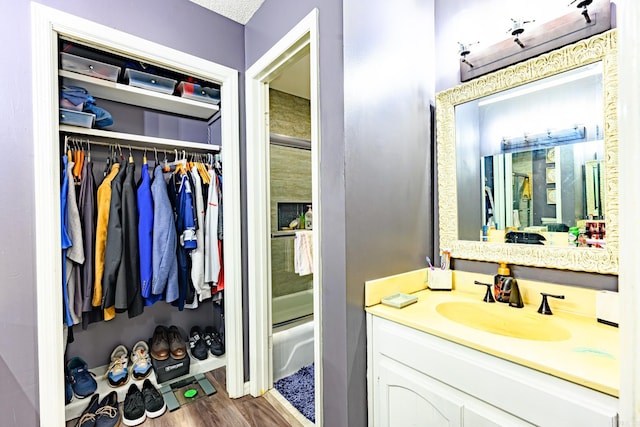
629 152
304 35
47 23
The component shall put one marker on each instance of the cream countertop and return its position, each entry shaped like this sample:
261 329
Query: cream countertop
589 357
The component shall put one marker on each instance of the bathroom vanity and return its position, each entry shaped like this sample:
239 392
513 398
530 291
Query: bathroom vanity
428 366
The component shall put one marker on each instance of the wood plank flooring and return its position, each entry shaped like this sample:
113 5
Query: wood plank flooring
220 410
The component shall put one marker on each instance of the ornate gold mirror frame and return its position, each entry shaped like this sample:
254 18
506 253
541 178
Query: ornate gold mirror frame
602 47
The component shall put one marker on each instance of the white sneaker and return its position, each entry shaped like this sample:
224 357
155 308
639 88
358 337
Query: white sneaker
117 373
140 361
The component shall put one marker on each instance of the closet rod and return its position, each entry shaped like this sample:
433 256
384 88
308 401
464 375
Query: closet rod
150 147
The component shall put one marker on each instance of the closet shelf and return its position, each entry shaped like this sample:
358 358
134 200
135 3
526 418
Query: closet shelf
76 406
150 142
118 92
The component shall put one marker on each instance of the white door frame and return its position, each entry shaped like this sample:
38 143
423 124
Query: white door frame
46 25
298 41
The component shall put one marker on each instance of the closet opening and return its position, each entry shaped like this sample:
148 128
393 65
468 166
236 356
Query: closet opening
133 126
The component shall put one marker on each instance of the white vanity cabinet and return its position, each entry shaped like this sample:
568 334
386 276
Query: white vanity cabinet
418 379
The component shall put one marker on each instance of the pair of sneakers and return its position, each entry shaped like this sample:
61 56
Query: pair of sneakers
202 342
104 413
119 372
142 404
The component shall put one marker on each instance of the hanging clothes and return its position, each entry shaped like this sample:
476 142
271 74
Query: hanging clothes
164 262
113 247
185 228
65 240
197 255
220 285
191 298
75 254
87 209
212 257
145 235
104 206
127 287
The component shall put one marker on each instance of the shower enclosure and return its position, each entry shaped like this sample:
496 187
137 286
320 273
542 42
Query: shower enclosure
290 186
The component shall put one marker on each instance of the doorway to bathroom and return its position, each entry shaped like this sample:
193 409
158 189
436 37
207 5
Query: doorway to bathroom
282 177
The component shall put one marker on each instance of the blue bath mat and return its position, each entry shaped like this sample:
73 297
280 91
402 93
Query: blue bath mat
298 389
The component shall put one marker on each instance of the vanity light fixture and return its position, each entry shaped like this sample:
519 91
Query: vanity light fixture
517 29
463 51
583 5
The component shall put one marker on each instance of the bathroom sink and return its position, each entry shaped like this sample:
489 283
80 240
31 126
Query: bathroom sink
503 320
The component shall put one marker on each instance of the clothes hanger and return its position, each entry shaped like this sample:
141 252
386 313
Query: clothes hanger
180 167
166 167
130 155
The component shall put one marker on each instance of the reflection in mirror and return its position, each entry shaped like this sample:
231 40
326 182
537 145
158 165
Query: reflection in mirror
530 161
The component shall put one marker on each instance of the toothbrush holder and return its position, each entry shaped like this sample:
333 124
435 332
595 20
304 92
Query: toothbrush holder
440 280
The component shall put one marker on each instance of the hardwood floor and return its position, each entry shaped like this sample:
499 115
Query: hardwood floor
220 410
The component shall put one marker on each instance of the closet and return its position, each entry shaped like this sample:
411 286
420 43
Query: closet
160 126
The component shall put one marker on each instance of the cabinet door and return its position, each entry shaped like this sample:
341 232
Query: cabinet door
407 398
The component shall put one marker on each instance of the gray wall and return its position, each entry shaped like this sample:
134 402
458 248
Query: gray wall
376 208
178 24
266 27
388 91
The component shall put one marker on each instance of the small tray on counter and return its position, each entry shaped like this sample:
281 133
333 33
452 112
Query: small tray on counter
399 300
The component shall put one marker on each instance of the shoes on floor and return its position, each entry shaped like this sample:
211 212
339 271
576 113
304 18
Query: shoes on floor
213 341
140 361
199 348
118 373
160 344
88 416
177 345
82 382
108 412
133 410
154 403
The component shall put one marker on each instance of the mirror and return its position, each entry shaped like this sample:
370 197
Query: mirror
527 161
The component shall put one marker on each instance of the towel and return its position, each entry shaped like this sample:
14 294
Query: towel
303 252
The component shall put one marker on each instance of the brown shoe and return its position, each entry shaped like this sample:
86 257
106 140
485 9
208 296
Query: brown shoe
177 345
160 344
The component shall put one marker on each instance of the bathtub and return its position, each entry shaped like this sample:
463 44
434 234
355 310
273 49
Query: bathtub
292 306
292 348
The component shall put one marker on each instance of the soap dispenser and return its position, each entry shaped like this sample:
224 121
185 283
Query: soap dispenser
308 219
502 283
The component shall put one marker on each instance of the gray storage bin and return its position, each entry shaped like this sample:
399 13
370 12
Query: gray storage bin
144 80
89 67
76 118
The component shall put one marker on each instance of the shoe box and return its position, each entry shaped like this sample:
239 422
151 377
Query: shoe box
170 368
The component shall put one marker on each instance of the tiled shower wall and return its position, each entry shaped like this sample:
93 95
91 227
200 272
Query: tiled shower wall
290 182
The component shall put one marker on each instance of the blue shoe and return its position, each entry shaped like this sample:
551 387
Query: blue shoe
88 416
68 391
108 412
82 381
